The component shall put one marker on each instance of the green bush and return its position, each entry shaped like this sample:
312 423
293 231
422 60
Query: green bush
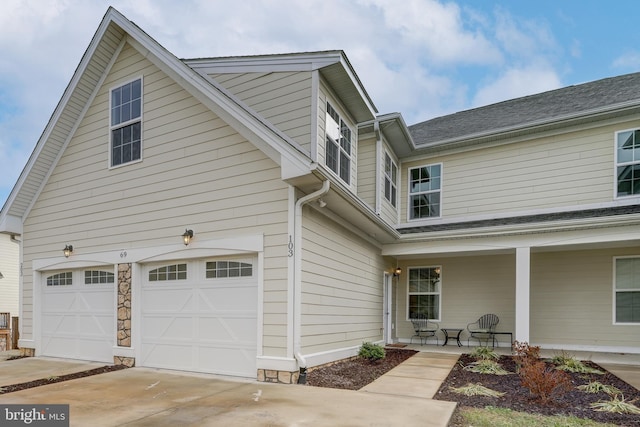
371 352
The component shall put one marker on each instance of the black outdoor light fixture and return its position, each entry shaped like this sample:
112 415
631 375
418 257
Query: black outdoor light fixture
67 250
397 272
187 236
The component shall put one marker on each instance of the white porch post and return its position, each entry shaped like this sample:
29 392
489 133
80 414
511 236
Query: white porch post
523 268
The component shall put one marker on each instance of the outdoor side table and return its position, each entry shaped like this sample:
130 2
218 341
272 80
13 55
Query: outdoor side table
451 331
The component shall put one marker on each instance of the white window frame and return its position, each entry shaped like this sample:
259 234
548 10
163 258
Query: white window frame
418 193
437 269
616 290
390 180
628 163
335 135
120 125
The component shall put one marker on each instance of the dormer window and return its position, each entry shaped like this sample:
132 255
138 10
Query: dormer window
126 123
338 146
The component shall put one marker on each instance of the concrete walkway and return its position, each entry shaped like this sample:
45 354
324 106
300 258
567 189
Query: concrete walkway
419 376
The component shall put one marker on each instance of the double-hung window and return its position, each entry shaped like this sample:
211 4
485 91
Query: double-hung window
390 180
627 290
338 145
628 163
425 184
424 293
126 123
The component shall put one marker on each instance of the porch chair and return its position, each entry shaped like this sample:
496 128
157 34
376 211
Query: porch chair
483 329
5 329
424 328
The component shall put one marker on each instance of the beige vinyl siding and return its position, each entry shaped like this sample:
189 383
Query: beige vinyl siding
196 172
471 286
574 168
325 94
342 288
9 267
367 171
283 98
572 299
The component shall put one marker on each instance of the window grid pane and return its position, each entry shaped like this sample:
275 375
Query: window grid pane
424 191
126 106
60 279
94 277
224 269
338 144
628 163
168 272
627 289
424 293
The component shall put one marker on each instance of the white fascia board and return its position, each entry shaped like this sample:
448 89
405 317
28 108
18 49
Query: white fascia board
268 63
60 107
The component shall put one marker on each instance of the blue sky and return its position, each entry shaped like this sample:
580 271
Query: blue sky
422 58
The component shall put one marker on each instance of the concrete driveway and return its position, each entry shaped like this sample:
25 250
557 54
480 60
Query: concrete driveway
150 397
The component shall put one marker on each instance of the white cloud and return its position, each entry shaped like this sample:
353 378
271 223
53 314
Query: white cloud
629 61
419 57
517 82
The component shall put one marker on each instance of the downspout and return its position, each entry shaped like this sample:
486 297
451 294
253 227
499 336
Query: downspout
297 276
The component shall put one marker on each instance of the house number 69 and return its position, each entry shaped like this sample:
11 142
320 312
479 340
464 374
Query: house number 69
123 254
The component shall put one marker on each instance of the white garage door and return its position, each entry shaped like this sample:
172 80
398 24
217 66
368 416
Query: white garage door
77 316
201 316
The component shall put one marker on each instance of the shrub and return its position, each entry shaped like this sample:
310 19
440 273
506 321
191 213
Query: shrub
484 353
525 354
477 390
597 387
371 352
618 406
573 365
543 381
484 366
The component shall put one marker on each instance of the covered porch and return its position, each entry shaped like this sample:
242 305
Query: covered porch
558 291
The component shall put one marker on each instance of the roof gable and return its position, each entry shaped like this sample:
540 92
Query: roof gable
113 32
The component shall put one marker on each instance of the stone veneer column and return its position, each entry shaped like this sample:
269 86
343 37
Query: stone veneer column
124 313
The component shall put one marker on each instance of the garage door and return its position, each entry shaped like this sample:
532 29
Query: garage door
201 316
78 314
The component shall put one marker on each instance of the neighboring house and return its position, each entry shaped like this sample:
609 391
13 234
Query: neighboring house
302 201
9 263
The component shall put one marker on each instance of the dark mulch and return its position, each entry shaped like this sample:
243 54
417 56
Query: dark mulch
51 380
518 398
355 373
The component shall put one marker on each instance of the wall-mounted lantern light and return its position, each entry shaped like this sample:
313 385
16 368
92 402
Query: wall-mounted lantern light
68 250
397 272
187 236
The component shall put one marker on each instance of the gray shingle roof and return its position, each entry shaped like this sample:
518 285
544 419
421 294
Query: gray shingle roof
546 106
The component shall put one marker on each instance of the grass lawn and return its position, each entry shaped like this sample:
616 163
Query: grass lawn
501 417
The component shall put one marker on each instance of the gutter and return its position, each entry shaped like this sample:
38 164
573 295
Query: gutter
297 275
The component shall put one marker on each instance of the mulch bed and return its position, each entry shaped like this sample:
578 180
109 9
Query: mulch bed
355 373
518 398
52 380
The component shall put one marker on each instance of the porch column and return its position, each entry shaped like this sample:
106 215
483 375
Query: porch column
523 267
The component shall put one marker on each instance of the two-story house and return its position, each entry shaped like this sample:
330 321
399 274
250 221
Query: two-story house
247 215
